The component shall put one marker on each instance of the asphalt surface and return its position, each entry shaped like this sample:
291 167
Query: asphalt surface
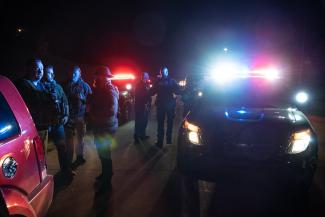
146 184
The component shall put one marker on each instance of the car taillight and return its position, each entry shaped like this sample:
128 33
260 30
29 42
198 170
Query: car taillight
40 157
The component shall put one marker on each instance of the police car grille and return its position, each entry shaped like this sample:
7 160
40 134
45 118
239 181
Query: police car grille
246 141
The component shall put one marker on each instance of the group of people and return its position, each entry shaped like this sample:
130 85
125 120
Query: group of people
165 89
59 113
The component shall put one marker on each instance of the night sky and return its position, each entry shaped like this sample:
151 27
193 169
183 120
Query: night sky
180 34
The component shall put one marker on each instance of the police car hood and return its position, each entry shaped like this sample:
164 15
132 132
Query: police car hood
242 115
265 131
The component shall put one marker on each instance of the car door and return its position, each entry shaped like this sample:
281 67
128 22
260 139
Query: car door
18 158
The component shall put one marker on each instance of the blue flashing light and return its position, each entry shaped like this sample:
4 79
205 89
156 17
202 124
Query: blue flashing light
241 112
226 114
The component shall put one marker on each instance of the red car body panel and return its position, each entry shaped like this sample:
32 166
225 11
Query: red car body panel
30 191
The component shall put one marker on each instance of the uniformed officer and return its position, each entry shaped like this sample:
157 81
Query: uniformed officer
39 102
77 92
56 131
165 88
103 111
142 108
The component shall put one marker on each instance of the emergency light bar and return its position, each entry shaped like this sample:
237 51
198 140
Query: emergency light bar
226 72
123 76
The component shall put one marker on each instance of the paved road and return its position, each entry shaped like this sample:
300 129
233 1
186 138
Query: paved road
146 184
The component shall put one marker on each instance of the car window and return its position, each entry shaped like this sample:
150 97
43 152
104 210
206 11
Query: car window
8 123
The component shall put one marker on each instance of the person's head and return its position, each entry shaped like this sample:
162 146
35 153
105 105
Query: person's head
103 76
145 77
76 74
49 73
164 72
34 68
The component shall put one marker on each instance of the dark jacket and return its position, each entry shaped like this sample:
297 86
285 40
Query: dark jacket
39 102
104 108
142 96
165 88
59 97
77 94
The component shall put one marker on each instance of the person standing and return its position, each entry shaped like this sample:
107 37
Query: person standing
103 112
56 131
39 102
165 88
142 108
77 92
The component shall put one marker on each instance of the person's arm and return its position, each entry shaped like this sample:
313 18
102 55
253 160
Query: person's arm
65 106
88 89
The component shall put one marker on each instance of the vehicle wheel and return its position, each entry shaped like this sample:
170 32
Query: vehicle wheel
190 197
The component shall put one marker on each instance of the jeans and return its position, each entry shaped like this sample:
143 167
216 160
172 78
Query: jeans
77 127
57 135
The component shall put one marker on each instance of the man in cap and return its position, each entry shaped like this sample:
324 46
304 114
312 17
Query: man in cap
142 107
77 92
103 111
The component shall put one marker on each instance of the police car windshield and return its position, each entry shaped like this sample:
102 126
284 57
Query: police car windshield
248 94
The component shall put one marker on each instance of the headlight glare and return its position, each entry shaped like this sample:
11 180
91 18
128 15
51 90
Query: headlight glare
300 141
193 133
194 137
191 127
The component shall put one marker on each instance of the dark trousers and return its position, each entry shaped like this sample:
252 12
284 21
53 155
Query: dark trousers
57 135
140 123
104 142
162 112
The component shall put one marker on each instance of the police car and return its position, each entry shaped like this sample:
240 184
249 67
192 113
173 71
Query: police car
247 122
125 83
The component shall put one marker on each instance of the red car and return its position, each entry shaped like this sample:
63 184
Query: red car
25 186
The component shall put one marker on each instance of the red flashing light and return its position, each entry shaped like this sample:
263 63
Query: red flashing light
123 76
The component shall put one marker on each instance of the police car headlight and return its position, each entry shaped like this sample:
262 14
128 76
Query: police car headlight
193 133
300 141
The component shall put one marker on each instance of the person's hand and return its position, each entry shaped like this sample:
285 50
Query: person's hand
64 120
